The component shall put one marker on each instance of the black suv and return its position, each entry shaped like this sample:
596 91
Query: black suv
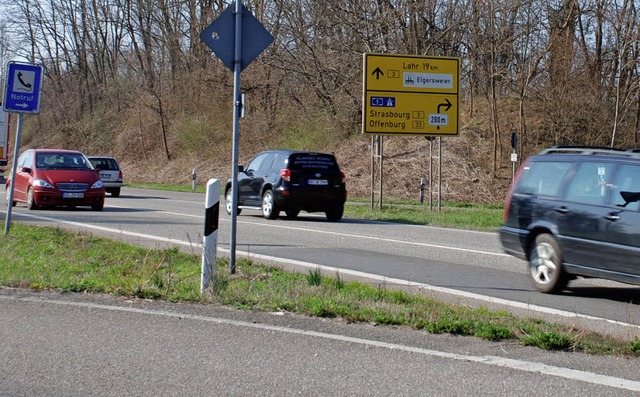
575 211
290 181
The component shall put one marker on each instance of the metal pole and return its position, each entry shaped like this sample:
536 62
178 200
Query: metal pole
439 173
381 157
237 103
373 167
431 174
16 148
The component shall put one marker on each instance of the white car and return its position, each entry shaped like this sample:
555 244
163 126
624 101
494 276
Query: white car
110 173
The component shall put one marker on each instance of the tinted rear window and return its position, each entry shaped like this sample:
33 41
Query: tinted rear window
312 162
105 164
543 178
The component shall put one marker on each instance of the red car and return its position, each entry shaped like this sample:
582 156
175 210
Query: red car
55 177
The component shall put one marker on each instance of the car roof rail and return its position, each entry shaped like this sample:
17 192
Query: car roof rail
592 150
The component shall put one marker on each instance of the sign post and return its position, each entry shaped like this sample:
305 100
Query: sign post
22 93
4 143
237 38
514 155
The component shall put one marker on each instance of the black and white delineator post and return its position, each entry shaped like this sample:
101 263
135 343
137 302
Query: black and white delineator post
209 246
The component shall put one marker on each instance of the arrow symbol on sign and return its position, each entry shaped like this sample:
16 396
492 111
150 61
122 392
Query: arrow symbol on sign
22 105
448 105
377 72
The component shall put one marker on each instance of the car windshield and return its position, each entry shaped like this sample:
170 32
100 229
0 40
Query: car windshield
61 161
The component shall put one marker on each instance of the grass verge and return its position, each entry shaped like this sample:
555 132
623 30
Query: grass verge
51 258
479 217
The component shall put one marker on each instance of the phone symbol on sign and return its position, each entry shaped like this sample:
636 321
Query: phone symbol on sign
28 85
24 81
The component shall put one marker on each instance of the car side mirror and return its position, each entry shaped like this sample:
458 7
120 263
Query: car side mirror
630 197
28 170
241 168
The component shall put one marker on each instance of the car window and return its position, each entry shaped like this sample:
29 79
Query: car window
256 163
61 161
28 161
590 183
47 160
107 164
627 180
74 161
543 178
266 163
313 162
23 159
279 161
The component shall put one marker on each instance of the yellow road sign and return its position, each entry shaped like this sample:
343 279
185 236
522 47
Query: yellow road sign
410 95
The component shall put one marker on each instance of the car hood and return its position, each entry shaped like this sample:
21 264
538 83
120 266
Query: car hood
78 176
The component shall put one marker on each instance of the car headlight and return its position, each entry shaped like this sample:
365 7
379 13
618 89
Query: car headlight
42 183
97 185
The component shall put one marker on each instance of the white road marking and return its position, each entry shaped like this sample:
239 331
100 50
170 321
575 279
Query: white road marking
360 236
634 329
519 365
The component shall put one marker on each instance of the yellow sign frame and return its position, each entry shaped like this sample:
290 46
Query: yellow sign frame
410 95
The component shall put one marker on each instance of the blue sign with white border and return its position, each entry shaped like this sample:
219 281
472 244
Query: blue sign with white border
22 88
220 37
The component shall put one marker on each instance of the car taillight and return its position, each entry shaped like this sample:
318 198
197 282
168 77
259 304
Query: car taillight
285 174
344 178
507 204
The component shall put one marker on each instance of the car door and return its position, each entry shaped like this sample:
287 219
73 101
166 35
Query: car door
251 180
623 222
583 223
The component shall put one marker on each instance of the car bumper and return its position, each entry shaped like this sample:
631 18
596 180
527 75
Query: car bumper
112 184
55 198
514 241
310 201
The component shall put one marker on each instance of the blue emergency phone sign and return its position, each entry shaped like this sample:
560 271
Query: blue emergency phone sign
22 88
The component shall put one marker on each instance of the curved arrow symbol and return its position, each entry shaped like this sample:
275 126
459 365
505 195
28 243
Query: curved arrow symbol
448 105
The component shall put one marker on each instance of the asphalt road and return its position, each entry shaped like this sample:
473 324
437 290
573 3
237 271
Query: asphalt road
90 345
462 266
82 345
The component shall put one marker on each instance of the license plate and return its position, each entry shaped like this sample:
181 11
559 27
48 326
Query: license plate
105 175
318 182
72 195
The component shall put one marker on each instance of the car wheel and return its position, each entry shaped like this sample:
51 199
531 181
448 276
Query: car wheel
335 214
269 208
229 202
13 204
545 265
115 192
292 214
98 207
31 201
